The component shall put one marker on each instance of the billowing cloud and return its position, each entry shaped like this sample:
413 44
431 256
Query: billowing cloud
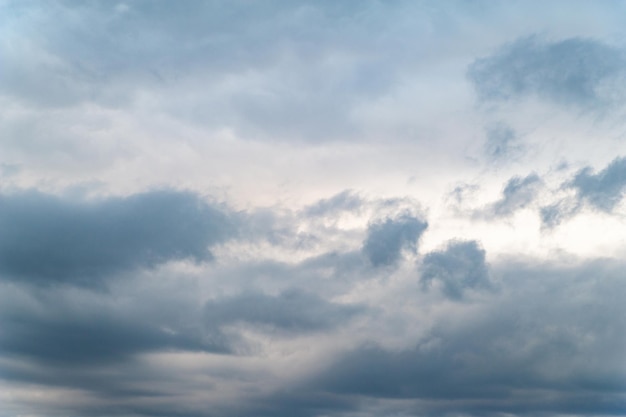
575 71
387 239
51 239
459 267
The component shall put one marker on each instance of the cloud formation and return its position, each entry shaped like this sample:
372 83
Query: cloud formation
87 338
575 71
363 228
603 190
459 267
530 350
518 193
292 311
387 239
49 239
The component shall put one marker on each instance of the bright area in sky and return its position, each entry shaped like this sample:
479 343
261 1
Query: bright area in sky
312 208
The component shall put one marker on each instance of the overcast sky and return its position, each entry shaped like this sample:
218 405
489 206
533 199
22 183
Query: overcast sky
312 208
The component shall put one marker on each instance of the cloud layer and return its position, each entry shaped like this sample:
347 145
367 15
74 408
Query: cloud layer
312 208
51 239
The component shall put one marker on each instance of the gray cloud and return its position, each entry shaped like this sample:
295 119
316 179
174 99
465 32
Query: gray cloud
603 190
533 338
269 72
48 239
552 215
165 303
70 334
571 71
293 311
547 345
502 143
94 338
387 239
459 267
344 201
518 193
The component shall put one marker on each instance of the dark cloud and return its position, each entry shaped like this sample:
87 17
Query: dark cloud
68 335
47 239
603 190
94 338
293 311
546 342
547 345
518 193
90 341
572 71
387 239
459 267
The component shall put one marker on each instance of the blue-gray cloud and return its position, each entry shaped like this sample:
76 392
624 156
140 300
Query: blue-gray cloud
572 71
531 336
603 190
293 311
282 52
518 193
95 338
51 239
344 201
549 333
111 306
387 239
502 143
552 215
457 268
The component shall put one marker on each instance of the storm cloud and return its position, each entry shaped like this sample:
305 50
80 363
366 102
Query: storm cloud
88 338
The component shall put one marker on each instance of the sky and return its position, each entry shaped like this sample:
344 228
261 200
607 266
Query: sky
312 208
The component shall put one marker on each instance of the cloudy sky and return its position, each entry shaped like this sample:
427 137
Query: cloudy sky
312 208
